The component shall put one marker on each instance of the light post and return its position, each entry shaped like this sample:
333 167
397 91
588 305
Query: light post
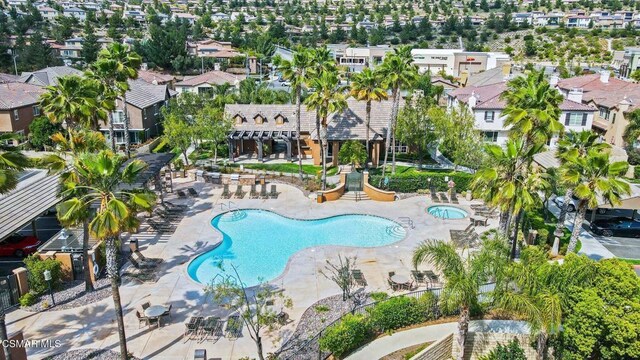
47 278
14 56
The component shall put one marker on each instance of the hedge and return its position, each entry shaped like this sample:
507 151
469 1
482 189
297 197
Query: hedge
35 273
412 182
397 313
349 334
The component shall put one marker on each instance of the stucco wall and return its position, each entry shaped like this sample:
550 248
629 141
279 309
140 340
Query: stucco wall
485 335
333 194
439 350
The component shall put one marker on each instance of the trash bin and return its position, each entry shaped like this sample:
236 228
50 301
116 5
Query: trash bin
200 354
133 245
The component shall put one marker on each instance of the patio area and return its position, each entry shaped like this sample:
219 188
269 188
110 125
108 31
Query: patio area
93 326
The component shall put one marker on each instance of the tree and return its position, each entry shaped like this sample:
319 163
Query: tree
352 152
40 131
177 132
252 306
367 86
635 75
632 131
459 140
415 127
90 45
594 177
328 98
463 274
211 125
340 274
74 101
100 176
295 71
165 43
398 72
12 162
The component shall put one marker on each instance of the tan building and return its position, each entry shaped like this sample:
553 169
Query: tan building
19 105
269 131
613 98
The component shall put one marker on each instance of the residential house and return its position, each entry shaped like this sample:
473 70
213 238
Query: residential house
19 105
48 76
48 13
275 126
357 58
78 13
578 21
204 83
72 48
156 78
144 102
456 61
613 98
487 107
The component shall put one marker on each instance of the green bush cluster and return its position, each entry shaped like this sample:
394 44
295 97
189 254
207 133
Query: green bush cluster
28 299
35 270
394 313
636 172
412 182
510 351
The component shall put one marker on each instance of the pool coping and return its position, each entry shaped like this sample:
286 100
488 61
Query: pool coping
467 212
287 266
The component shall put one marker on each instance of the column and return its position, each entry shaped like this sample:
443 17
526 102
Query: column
259 145
230 144
336 148
159 187
288 142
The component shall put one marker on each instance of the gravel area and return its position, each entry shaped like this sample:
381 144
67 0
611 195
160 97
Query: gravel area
72 296
87 354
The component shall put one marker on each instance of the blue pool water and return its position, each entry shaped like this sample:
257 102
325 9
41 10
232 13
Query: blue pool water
259 242
447 212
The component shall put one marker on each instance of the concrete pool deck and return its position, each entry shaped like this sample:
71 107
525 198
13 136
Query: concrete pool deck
93 326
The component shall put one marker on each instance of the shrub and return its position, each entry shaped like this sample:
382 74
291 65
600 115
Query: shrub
429 302
349 334
379 296
396 313
511 351
28 299
636 172
412 182
36 267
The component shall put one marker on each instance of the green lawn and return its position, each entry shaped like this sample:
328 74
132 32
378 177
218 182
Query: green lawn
290 168
631 261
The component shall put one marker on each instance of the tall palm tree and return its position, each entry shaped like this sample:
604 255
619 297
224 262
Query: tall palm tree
328 98
74 102
463 275
100 176
367 86
398 73
296 72
632 131
594 178
574 144
532 109
79 142
321 60
116 65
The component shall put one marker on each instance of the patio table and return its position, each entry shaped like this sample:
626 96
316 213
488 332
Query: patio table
402 280
477 219
155 312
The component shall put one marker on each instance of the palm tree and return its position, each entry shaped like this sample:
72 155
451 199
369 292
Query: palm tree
296 72
532 109
574 144
328 98
367 86
594 178
79 142
74 101
116 65
223 94
100 176
12 162
398 73
632 131
321 61
463 275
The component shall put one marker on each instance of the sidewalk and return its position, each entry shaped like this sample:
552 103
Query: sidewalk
401 340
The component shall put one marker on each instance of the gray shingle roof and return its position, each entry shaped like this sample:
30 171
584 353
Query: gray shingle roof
214 77
48 76
142 94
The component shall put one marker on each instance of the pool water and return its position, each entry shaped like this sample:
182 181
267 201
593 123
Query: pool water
447 212
259 243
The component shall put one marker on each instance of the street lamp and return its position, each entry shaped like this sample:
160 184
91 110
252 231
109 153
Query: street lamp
14 56
47 278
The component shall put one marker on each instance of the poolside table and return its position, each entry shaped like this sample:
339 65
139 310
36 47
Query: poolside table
402 280
479 220
155 312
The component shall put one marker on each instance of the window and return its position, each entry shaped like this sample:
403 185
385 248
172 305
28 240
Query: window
401 148
489 116
280 120
144 113
604 112
36 110
575 119
118 117
259 119
238 119
491 136
16 115
613 119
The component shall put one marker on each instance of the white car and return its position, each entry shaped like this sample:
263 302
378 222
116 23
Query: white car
573 205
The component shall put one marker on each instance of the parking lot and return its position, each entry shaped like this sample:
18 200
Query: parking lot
623 247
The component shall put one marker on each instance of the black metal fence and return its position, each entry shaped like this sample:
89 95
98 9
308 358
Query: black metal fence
9 293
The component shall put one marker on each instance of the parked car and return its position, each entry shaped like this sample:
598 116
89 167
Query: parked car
573 205
19 245
617 226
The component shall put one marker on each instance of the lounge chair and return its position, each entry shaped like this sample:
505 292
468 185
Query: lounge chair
140 265
192 191
454 196
434 196
181 193
193 327
212 327
418 277
263 192
433 278
273 193
234 327
226 194
239 194
358 277
253 194
443 197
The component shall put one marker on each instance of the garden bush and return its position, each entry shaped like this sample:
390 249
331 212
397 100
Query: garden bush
636 172
396 313
349 334
412 182
511 351
28 299
35 270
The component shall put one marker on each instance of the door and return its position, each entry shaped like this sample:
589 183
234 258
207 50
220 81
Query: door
78 266
354 181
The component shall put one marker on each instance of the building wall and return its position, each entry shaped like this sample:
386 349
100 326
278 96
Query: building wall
8 122
616 129
479 344
439 350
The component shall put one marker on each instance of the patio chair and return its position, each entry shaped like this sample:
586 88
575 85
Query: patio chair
145 305
418 277
433 278
273 194
192 191
142 319
181 193
211 327
434 197
392 284
358 277
443 197
239 194
454 196
167 312
234 327
225 192
192 328
263 192
253 194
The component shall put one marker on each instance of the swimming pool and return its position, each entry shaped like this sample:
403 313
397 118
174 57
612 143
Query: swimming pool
259 243
447 212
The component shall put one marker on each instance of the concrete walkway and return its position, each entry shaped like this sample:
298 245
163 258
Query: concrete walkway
402 340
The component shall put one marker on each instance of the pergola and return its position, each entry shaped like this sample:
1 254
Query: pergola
155 163
260 136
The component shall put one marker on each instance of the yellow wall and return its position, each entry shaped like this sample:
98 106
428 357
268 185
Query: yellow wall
333 194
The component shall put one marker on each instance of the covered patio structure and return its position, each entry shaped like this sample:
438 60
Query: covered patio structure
241 141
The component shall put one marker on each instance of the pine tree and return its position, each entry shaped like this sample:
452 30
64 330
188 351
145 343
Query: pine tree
90 46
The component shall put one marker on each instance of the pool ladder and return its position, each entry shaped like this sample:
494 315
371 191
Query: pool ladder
406 222
230 205
442 214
